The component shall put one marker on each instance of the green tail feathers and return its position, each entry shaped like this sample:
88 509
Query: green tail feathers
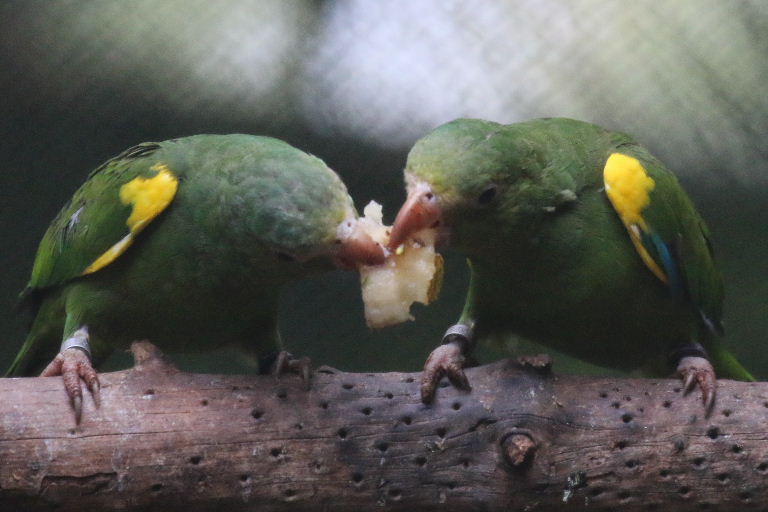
726 365
21 365
33 357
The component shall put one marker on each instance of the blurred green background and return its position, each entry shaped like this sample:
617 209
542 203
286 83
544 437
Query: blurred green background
356 83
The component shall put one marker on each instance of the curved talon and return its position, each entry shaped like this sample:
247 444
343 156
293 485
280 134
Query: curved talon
285 363
446 360
73 365
697 370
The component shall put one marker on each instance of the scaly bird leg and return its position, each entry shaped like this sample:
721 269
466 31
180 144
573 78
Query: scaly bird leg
695 369
285 363
74 363
449 359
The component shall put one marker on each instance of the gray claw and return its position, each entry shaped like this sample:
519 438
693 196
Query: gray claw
96 393
77 405
690 380
709 401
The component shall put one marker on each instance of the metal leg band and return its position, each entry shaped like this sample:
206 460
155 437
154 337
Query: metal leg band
79 340
459 333
689 350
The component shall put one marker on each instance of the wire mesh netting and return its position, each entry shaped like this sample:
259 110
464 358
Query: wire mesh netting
357 82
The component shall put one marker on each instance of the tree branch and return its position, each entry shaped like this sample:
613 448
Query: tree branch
523 439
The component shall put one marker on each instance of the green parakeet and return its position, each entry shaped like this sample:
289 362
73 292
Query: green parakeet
185 243
578 238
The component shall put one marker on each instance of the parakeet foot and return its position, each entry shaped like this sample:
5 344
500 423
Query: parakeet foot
446 360
73 364
286 363
697 370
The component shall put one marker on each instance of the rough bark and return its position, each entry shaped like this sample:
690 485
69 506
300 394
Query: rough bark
523 439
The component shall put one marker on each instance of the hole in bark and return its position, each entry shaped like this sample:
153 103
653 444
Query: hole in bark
765 404
342 433
276 452
156 487
624 496
762 467
723 477
603 394
664 473
323 405
713 432
390 396
451 485
195 459
289 493
149 392
245 478
348 385
626 417
298 426
698 461
382 446
465 462
737 448
406 419
420 461
676 390
667 404
441 432
444 383
621 444
203 402
628 398
684 491
72 431
366 410
395 494
641 410
357 477
456 406
745 496
615 405
632 463
257 414
282 394
409 380
595 492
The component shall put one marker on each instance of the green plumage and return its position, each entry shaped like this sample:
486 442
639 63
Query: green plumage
250 214
550 257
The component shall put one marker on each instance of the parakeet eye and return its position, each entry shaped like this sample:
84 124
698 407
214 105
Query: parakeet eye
487 195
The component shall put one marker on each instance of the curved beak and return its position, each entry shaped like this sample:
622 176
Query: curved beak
420 211
355 247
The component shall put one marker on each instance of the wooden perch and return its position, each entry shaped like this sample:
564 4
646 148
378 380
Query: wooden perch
523 439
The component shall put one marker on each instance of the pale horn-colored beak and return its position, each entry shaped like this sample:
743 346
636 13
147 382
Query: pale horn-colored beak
355 247
421 210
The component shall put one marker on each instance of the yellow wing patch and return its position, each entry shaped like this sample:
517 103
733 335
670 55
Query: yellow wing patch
628 187
148 197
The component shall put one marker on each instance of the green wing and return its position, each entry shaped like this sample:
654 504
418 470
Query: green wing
666 229
119 199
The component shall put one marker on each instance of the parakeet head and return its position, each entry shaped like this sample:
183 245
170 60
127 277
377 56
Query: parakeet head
473 178
273 200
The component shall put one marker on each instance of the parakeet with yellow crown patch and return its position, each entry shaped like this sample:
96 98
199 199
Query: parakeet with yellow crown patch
185 243
577 238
